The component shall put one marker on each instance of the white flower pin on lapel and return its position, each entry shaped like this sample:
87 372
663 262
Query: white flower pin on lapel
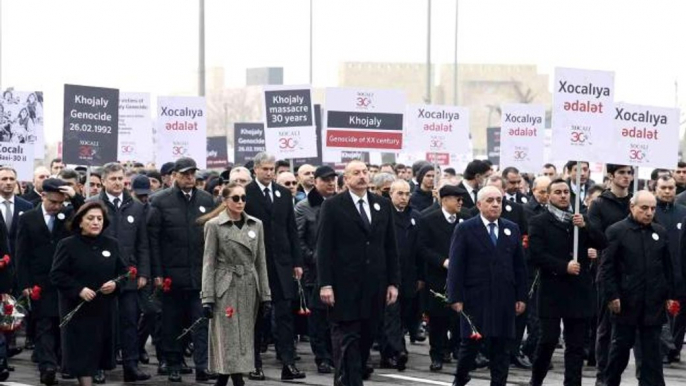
508 208
656 237
106 253
507 232
60 216
251 234
377 207
202 209
412 221
130 219
277 194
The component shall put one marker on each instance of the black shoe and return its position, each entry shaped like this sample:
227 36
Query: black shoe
367 372
48 377
436 366
28 345
135 374
421 335
14 351
4 374
162 368
481 361
256 375
185 369
447 357
675 358
204 375
237 380
520 361
144 358
402 361
118 357
174 376
325 368
66 375
188 351
290 372
388 363
99 377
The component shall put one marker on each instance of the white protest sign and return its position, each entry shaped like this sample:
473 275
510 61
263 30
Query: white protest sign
181 129
364 120
583 110
646 136
290 130
21 118
437 129
522 136
135 127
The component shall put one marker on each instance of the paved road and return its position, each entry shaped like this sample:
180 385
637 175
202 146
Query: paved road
417 373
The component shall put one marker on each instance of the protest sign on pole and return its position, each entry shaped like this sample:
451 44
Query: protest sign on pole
297 162
493 145
91 125
181 129
437 129
646 136
522 136
364 120
217 153
289 122
248 140
22 119
135 128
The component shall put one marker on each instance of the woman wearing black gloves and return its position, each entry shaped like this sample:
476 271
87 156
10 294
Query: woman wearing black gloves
234 284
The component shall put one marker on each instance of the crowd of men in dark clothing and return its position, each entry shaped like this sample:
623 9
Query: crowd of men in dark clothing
613 296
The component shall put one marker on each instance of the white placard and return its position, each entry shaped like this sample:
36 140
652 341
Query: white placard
437 129
181 129
22 119
522 137
290 130
135 128
583 110
646 136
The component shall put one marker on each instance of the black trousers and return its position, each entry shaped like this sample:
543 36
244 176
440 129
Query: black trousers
262 328
441 320
623 337
47 342
128 328
499 352
392 338
283 329
602 341
352 341
150 321
177 307
319 331
533 326
679 329
520 326
574 334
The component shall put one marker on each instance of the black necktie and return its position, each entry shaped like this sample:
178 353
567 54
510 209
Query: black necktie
188 196
474 194
363 214
116 202
268 196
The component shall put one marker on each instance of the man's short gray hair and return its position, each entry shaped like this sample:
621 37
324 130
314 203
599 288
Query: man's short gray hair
381 178
111 167
263 158
481 194
239 169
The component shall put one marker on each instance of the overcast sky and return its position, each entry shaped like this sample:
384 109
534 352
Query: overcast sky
152 45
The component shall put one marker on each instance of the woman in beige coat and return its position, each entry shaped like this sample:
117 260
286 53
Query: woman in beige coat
234 285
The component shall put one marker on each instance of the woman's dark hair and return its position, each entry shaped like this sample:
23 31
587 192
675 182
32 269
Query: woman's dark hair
75 223
228 188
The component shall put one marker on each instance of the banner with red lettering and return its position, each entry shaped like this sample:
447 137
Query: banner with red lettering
522 136
442 130
181 129
646 136
370 120
583 111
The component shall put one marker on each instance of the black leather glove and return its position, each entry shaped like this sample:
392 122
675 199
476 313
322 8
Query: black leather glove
208 310
266 307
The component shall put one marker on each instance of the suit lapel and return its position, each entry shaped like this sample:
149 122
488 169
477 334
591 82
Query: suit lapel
482 234
350 207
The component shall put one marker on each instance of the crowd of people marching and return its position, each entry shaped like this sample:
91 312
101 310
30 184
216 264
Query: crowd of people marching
218 266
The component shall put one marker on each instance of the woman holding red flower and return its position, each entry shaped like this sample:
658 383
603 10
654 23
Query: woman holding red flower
83 270
234 283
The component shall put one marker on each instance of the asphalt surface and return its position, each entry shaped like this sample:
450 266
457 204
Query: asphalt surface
417 372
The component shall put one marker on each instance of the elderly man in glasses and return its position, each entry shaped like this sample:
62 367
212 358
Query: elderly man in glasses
288 180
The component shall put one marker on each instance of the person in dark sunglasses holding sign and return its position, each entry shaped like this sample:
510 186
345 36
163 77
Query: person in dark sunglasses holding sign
234 284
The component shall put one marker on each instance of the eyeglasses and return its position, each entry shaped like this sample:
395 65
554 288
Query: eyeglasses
237 198
290 183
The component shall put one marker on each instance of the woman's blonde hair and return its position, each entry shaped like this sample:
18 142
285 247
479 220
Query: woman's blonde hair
226 191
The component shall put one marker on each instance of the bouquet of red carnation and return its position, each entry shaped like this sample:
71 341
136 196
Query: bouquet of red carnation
13 314
525 241
130 274
303 311
35 293
674 308
166 288
229 312
5 261
475 333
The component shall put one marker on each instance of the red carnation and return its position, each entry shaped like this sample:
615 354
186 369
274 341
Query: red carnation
307 312
35 292
674 308
525 241
6 259
133 272
166 285
8 309
229 312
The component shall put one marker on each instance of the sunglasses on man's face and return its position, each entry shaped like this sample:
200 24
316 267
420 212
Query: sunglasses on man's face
290 183
238 198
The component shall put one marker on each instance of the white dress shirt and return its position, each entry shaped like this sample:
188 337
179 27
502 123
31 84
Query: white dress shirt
447 215
111 198
488 229
262 187
366 207
470 190
46 216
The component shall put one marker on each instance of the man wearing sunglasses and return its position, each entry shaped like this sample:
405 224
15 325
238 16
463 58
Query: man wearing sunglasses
287 179
273 205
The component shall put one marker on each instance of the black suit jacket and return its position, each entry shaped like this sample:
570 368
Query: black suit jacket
435 233
280 236
32 197
359 263
20 207
35 249
468 202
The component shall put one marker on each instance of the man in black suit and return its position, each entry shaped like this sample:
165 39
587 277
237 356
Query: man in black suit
513 184
539 197
582 190
566 285
475 175
487 282
357 268
273 205
39 175
435 231
11 206
39 231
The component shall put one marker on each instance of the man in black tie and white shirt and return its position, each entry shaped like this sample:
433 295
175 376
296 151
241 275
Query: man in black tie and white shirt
475 175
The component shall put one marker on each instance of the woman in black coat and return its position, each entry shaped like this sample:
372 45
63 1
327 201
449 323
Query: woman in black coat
84 269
